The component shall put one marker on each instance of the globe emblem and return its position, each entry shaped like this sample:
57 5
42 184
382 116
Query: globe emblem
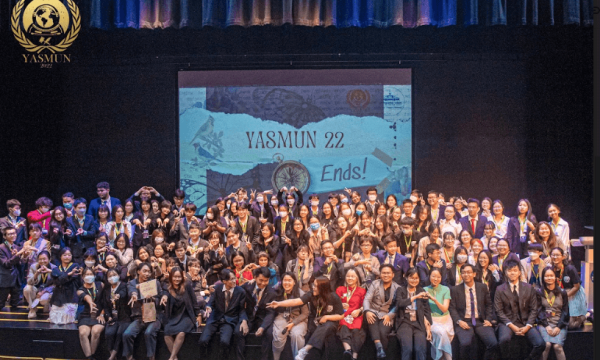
46 21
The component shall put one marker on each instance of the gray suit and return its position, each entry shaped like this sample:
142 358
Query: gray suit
375 302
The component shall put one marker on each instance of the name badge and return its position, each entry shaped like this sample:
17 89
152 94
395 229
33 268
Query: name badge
413 315
550 313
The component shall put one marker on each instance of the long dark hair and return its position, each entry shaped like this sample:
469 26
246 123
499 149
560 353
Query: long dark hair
322 284
478 268
175 291
295 289
557 289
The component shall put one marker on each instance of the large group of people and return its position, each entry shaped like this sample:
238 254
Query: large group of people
285 269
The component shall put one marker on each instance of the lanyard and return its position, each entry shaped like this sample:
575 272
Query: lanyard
536 275
554 226
522 224
349 294
93 293
449 258
44 277
244 225
65 269
550 302
329 267
319 309
117 230
9 246
560 277
407 242
501 261
300 273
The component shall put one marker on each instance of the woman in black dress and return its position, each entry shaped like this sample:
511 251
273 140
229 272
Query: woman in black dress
182 311
118 312
91 319
66 279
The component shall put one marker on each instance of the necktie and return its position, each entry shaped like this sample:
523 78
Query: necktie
473 225
472 306
390 260
516 295
227 298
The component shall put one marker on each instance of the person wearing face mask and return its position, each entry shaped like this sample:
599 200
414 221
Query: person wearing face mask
91 320
14 219
454 273
318 234
66 278
42 214
260 209
117 311
533 266
291 202
83 231
67 202
274 207
371 200
39 284
213 221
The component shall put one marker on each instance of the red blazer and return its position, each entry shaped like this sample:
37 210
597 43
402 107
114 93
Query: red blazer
42 219
356 302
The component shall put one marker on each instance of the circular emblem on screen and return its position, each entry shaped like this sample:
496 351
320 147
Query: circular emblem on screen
291 173
393 104
45 25
358 99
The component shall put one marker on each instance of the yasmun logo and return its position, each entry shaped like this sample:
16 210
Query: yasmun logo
45 28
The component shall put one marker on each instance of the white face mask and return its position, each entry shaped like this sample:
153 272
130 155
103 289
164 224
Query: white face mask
158 240
346 212
17 212
209 216
89 279
406 232
113 279
283 214
291 201
90 263
462 258
260 199
274 202
372 197
533 255
314 203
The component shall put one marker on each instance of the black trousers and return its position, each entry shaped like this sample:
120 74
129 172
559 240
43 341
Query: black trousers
533 336
14 296
317 340
380 332
114 334
266 343
466 340
412 340
353 337
225 329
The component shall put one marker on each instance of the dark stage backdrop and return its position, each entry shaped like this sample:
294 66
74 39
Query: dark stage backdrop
504 121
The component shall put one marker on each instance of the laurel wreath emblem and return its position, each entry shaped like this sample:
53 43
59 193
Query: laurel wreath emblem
60 47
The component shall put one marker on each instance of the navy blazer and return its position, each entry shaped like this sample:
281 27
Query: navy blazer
79 243
511 256
466 224
294 209
336 276
235 312
288 226
458 304
401 301
9 274
442 209
259 312
252 229
513 233
401 265
95 205
423 269
255 211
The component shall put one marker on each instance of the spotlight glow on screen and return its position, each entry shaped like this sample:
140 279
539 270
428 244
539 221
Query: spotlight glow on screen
321 131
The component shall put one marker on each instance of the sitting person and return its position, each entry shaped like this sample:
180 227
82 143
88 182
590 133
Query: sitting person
39 284
553 318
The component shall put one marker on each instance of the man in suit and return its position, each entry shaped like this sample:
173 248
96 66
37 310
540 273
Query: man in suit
371 200
233 235
10 256
226 310
181 225
390 256
471 312
261 209
474 223
407 239
260 318
376 305
437 210
434 259
83 231
329 265
103 191
14 219
517 307
248 226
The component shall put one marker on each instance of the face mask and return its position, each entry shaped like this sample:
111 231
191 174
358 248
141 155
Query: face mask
68 206
533 255
228 205
344 200
158 240
113 279
406 232
315 226
314 203
413 199
81 212
89 279
358 212
283 214
372 197
90 263
461 258
291 201
274 202
346 212
260 199
45 209
210 216
17 212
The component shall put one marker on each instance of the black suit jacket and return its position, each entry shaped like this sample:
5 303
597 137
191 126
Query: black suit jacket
458 303
259 313
505 304
80 243
252 229
563 322
452 276
466 224
9 275
235 312
513 233
423 268
401 301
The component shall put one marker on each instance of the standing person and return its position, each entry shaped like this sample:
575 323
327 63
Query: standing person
117 311
259 317
83 231
487 273
143 221
14 219
407 239
182 311
567 278
351 333
326 312
442 330
449 223
560 228
519 227
448 248
413 317
149 326
377 308
181 224
178 197
486 207
553 318
104 198
293 206
517 307
213 258
436 210
122 251
42 214
67 279
260 209
11 256
289 321
39 284
118 225
35 244
533 266
454 273
499 219
91 320
471 311
226 309
474 222
544 236
56 233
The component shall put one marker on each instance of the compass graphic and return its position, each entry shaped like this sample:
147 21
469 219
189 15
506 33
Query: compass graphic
291 173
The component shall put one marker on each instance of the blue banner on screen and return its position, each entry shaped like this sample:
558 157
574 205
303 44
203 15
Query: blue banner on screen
318 138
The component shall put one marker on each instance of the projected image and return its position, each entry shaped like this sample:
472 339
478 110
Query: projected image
319 139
